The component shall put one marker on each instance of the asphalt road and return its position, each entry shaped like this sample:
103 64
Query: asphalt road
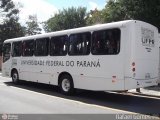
33 98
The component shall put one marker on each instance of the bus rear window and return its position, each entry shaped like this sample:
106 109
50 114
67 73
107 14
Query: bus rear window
106 42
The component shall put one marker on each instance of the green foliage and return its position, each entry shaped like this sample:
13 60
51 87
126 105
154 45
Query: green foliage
95 17
115 10
11 29
32 26
66 19
144 10
9 25
8 9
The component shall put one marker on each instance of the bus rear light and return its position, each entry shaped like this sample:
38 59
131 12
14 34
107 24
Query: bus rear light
113 79
133 69
133 64
134 74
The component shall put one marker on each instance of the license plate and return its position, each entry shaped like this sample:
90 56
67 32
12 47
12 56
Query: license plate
147 76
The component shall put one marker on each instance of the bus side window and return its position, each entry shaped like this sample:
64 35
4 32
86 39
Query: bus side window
79 44
58 45
98 42
6 51
41 47
28 48
17 49
106 42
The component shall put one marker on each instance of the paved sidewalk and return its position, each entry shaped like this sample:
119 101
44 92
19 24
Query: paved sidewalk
153 91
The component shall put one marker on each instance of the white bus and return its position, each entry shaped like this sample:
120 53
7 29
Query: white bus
159 59
116 56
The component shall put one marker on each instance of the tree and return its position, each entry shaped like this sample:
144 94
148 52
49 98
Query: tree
9 25
95 17
66 19
32 26
8 9
145 10
113 11
11 29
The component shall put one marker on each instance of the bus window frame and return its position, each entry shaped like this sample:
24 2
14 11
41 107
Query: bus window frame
8 53
48 47
119 49
21 42
67 39
90 42
32 48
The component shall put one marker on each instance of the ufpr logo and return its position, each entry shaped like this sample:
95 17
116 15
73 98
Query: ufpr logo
147 37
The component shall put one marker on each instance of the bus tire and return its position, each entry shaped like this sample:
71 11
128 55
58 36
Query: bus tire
15 77
66 85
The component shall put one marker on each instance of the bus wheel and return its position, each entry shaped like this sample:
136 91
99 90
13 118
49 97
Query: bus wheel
15 77
66 85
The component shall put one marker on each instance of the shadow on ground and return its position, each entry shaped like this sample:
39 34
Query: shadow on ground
129 103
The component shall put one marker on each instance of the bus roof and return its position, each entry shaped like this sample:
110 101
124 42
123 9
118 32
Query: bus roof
75 30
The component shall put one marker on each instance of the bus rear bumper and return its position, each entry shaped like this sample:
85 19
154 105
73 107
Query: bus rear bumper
147 83
132 83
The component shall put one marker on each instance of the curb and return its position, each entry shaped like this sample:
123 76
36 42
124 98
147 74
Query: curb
147 95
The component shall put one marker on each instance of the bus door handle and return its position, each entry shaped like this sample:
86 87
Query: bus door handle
40 71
